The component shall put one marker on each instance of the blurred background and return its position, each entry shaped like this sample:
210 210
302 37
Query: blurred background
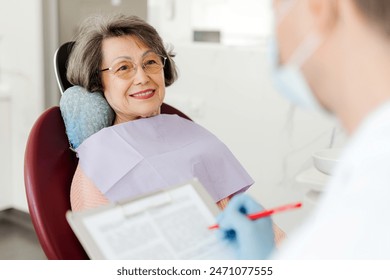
224 84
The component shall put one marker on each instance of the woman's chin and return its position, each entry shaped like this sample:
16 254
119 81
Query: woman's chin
149 115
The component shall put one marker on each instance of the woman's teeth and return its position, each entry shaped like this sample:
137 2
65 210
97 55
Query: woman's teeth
143 94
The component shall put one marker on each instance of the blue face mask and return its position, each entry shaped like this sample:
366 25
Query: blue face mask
289 80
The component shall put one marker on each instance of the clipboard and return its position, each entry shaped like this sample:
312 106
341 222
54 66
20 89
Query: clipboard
168 224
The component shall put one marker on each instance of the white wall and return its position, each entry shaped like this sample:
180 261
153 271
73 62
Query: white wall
172 19
237 23
21 64
5 151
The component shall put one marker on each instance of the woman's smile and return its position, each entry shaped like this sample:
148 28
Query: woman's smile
144 94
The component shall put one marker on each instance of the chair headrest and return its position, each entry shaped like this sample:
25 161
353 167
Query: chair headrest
84 114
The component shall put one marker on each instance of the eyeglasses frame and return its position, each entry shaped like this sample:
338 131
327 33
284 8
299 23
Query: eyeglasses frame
136 65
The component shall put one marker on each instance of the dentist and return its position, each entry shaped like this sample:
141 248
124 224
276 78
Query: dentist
333 56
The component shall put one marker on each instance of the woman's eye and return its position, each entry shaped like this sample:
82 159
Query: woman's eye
123 68
150 62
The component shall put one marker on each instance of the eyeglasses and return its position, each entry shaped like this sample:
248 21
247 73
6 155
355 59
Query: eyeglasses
125 69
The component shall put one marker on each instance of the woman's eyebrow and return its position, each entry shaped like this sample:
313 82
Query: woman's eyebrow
122 57
147 52
130 58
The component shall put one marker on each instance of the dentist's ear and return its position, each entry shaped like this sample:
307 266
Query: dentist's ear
325 14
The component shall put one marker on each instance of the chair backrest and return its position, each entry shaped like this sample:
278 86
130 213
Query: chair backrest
60 65
48 171
49 167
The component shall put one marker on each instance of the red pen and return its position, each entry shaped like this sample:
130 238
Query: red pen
268 212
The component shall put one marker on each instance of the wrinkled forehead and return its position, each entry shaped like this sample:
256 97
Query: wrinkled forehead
123 46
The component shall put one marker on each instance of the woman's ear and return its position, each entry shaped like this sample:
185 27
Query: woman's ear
325 14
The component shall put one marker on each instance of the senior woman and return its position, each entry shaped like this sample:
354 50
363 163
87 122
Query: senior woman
124 58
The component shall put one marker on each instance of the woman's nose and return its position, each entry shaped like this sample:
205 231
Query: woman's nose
140 76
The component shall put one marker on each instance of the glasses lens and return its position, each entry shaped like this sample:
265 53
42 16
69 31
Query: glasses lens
153 63
124 69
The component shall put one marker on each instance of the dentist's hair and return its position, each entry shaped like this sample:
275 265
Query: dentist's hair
377 11
85 59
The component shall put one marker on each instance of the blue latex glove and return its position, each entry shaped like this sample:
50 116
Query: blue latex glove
250 239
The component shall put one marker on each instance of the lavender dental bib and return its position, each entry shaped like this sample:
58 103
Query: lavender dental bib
151 154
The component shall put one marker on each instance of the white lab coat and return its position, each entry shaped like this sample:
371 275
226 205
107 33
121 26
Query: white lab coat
352 220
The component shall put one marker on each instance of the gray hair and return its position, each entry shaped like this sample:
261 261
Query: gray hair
86 57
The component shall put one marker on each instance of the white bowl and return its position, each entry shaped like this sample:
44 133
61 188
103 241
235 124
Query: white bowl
325 160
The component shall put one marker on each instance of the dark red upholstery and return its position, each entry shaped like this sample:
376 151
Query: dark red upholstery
168 109
48 171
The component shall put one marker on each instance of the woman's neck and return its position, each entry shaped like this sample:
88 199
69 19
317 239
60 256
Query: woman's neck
122 118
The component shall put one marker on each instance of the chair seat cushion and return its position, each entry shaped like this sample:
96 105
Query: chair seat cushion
84 114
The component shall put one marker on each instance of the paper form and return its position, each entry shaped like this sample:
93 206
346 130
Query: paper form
168 225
